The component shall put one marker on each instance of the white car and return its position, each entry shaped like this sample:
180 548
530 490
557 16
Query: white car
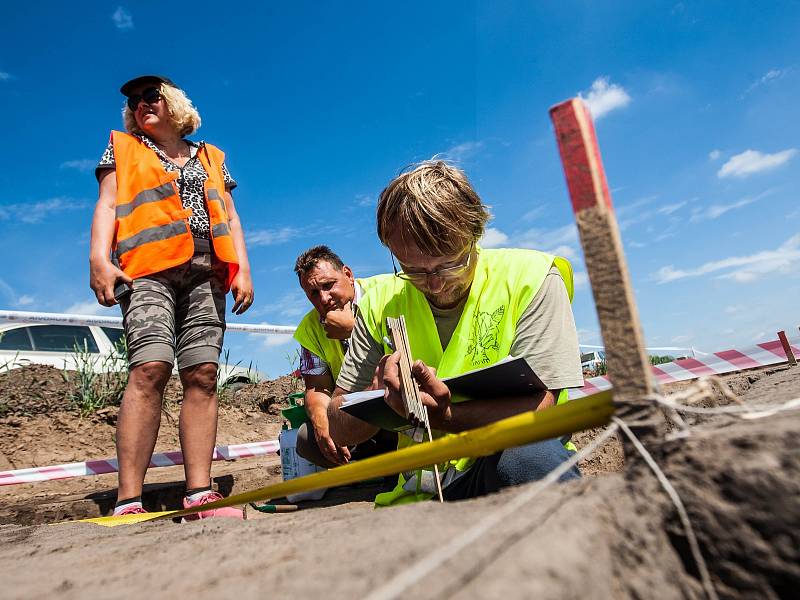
55 345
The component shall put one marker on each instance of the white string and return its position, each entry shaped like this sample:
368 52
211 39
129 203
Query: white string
708 586
409 576
746 412
705 387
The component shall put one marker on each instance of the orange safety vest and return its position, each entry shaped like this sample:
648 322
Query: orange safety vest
152 232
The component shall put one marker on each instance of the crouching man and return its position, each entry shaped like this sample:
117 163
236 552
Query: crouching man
323 336
465 307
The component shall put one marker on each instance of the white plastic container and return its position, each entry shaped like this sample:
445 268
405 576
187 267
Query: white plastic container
293 465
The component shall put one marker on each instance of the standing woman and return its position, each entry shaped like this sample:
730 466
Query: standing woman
166 213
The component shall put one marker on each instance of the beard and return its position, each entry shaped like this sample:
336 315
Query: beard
448 296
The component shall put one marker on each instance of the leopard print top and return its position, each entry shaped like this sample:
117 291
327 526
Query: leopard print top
190 182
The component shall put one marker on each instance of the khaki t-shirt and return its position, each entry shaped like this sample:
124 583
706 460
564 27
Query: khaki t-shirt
545 337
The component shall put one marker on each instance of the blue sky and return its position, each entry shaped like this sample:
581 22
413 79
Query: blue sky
319 105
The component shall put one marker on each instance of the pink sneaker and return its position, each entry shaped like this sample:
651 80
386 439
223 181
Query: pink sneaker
131 510
227 511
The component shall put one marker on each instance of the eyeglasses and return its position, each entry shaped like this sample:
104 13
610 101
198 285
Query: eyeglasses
443 273
150 95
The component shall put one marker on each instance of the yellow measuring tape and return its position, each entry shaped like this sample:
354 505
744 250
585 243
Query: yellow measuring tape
525 428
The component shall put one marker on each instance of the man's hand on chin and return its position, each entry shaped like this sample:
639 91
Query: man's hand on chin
339 323
434 393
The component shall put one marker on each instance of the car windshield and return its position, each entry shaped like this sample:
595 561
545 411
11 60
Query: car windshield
114 334
63 338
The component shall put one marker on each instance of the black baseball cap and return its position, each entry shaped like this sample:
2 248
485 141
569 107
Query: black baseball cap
128 87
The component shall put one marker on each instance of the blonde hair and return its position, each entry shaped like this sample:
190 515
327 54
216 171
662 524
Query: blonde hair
433 203
182 113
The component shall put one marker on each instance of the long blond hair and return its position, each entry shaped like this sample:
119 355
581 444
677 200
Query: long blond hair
435 205
182 113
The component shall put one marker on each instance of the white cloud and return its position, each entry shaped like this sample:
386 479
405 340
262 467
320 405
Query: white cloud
668 209
461 152
681 339
568 252
768 77
90 307
83 164
7 292
717 210
5 76
714 155
732 310
122 19
493 238
580 279
750 162
272 237
742 269
535 213
541 238
603 97
365 200
38 211
588 336
25 300
290 305
273 340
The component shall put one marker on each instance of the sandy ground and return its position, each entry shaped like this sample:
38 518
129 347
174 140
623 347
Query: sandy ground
610 535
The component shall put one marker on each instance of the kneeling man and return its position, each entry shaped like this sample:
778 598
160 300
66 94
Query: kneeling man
465 307
323 336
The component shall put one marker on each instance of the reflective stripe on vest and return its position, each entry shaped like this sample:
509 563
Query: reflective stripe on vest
505 283
152 234
310 333
213 196
220 229
152 195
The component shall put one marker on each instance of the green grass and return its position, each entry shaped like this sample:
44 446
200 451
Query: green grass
96 390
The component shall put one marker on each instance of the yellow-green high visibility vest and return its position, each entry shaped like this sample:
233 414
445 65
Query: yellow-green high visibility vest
311 334
505 283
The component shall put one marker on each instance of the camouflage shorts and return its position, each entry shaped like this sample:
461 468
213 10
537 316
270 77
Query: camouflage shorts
180 311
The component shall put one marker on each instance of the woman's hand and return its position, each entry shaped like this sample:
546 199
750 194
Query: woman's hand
103 277
242 291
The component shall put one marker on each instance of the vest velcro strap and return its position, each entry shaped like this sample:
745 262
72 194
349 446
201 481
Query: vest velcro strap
152 195
220 229
213 194
152 234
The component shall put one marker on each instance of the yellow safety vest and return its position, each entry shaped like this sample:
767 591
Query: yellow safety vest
505 283
310 334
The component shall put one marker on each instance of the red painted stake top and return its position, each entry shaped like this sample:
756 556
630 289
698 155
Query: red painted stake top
580 155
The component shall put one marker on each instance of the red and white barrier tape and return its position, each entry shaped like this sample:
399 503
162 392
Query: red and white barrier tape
718 363
109 465
21 316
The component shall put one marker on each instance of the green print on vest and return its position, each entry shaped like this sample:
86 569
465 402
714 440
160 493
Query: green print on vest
484 337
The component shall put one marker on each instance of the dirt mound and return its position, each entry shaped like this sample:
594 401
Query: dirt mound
610 536
41 389
34 390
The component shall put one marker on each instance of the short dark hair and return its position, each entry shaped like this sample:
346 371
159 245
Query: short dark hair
309 259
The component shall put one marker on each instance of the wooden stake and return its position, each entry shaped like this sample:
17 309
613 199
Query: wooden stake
787 348
628 364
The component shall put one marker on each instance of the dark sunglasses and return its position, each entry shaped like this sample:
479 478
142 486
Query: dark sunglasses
149 95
